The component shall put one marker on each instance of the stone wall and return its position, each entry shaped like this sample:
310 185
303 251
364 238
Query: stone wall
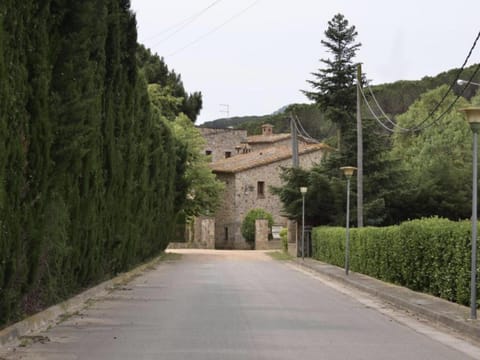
205 232
225 224
241 195
261 234
220 141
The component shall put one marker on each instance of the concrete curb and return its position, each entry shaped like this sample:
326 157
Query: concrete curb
54 314
432 308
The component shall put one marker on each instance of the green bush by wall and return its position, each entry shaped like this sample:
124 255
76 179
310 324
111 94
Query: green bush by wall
248 224
428 255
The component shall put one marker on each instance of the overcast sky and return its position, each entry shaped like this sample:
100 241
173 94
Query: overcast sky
256 55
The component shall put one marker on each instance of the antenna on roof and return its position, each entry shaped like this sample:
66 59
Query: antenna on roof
225 109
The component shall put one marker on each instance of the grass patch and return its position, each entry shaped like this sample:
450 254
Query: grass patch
169 256
280 255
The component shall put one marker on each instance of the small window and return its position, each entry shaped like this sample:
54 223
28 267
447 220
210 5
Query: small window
261 189
226 233
228 154
208 152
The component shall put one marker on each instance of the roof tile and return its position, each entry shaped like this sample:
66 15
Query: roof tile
262 157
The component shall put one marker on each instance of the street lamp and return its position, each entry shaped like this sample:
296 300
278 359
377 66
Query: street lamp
303 191
465 82
473 118
348 172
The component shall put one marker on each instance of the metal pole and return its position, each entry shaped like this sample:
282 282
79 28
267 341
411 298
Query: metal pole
293 129
303 226
347 242
359 150
473 279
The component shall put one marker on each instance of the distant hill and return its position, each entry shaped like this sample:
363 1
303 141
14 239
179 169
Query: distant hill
224 123
395 98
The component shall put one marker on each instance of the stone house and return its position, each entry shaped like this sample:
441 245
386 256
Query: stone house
226 143
268 139
249 165
247 179
222 143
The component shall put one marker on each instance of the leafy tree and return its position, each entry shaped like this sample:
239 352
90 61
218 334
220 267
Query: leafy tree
333 85
201 191
436 160
156 72
248 224
322 207
395 98
475 100
197 189
167 104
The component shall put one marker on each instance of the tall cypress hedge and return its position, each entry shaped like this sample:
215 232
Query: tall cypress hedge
87 169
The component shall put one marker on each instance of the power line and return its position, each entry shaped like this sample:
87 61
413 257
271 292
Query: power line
375 116
419 126
302 131
185 23
215 29
182 24
381 109
422 125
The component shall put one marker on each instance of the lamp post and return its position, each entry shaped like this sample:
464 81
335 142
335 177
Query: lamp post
465 82
348 172
303 191
473 118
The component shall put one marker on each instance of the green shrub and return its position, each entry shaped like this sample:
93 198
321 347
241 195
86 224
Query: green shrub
248 224
429 255
284 238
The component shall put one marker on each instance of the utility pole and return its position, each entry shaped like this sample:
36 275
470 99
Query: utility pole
359 150
293 130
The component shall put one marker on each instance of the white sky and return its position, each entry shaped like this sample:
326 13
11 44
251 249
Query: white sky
259 61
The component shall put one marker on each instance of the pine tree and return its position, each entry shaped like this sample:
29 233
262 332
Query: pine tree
333 85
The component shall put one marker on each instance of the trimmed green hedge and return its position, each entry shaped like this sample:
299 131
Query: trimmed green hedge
428 255
89 172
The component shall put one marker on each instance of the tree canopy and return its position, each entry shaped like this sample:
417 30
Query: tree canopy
88 168
333 84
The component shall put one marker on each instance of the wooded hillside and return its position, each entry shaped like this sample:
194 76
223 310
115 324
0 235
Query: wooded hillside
395 99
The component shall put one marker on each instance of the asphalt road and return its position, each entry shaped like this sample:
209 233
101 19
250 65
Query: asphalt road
238 305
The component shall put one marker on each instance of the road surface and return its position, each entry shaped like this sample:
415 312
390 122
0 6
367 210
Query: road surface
229 305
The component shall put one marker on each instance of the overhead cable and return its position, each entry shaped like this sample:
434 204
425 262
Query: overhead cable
375 116
417 127
454 82
214 29
302 130
181 25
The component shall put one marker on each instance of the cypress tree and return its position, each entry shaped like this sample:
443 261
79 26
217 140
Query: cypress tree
77 86
14 117
87 169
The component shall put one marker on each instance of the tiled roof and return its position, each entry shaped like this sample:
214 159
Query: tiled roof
267 139
263 157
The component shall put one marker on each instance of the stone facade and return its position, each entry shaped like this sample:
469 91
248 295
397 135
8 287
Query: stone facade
223 143
261 234
249 166
247 179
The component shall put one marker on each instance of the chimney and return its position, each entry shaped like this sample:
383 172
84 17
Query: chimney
267 130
